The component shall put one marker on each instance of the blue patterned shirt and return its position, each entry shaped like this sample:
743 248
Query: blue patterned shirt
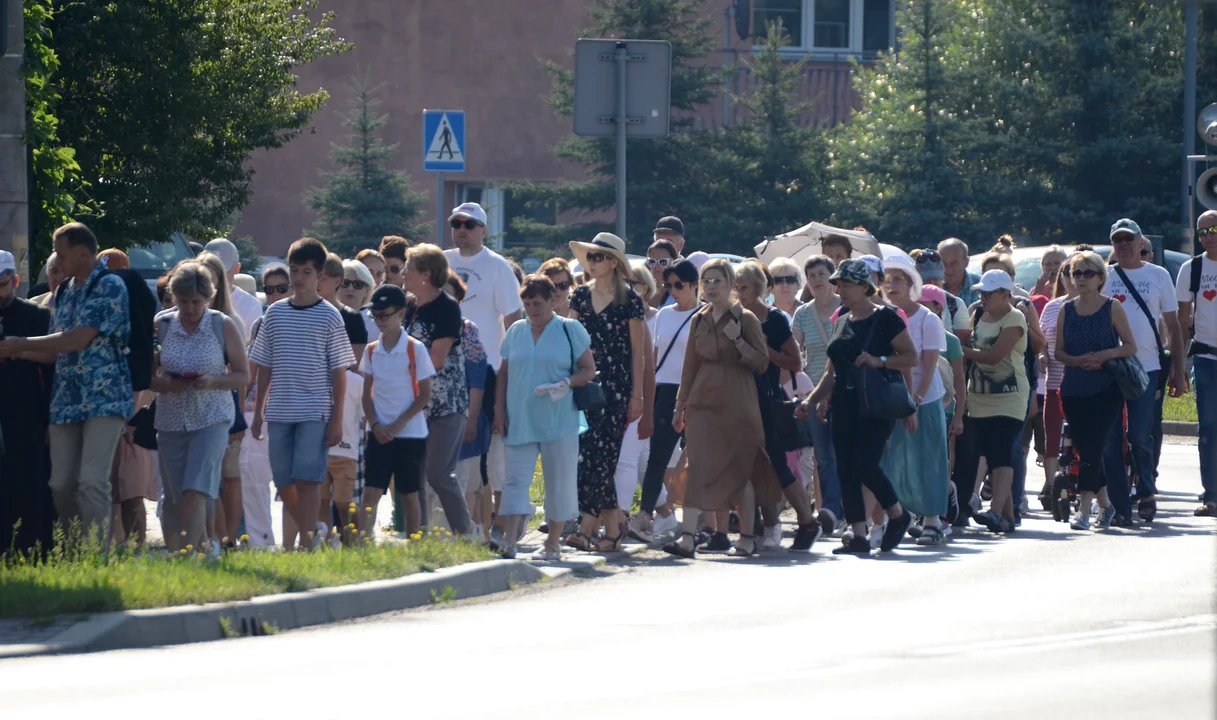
96 381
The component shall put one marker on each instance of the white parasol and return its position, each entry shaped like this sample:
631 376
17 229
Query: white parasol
800 244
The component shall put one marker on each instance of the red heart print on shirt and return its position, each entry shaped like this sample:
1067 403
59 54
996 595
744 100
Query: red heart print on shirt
1121 298
1209 295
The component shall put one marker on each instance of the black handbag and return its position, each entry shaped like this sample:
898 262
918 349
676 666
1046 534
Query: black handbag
589 396
881 393
787 433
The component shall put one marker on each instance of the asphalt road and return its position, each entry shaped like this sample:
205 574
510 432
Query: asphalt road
1051 623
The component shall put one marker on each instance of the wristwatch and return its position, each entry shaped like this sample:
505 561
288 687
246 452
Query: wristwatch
883 359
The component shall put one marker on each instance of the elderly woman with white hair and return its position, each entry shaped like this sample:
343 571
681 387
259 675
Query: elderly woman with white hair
356 292
787 284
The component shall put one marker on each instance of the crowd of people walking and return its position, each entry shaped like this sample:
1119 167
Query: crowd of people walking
877 398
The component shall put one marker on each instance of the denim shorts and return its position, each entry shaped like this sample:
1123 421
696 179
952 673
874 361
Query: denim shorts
297 452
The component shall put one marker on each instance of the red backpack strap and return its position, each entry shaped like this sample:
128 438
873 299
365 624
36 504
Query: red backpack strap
413 369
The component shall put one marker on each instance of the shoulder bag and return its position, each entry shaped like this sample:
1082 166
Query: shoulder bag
589 396
1164 356
787 433
677 335
1128 372
881 394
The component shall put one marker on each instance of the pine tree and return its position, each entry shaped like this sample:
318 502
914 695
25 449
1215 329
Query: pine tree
660 172
766 173
364 199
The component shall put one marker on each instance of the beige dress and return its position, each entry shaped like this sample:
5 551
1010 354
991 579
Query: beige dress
725 441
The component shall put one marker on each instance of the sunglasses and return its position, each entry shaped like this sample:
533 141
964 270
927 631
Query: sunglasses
1207 231
678 285
595 257
467 224
1124 237
989 293
563 286
659 262
1079 274
385 314
278 289
785 280
712 282
394 269
357 284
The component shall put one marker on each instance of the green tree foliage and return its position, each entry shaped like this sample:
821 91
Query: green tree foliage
250 256
364 199
765 174
59 192
660 172
164 101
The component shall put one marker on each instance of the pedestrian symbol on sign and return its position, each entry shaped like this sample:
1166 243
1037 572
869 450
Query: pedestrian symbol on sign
444 145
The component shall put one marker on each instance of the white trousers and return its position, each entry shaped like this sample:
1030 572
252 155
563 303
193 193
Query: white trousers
256 480
631 466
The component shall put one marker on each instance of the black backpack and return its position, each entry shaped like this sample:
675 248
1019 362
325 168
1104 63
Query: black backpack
141 310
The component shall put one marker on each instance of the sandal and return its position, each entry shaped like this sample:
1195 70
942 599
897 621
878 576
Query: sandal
579 541
1147 508
675 548
614 544
1208 509
738 551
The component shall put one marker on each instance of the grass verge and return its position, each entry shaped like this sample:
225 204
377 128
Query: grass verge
1180 409
89 582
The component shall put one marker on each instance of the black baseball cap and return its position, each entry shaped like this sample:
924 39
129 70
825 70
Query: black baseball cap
671 223
388 296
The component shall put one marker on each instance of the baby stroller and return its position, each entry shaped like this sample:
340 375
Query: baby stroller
1065 485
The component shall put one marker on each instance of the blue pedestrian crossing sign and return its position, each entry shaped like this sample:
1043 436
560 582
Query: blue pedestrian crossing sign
444 140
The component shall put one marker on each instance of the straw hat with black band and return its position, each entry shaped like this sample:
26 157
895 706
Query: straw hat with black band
606 243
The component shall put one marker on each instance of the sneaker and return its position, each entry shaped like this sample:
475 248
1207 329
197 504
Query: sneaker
876 535
215 551
1018 518
847 535
986 491
916 528
1094 507
547 554
639 528
974 504
319 535
1008 524
931 536
772 538
1105 516
895 530
1081 521
805 536
1024 506
855 546
718 542
665 525
1122 522
989 519
828 521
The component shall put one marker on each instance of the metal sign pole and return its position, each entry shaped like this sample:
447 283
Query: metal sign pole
439 210
1191 13
623 60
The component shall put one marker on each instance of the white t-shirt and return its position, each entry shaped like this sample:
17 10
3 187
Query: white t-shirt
492 294
247 308
392 391
352 417
667 324
1205 309
928 333
1154 284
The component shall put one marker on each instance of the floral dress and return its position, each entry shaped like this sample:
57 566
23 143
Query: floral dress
614 355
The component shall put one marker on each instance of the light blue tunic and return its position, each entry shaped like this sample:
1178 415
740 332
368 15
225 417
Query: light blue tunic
533 419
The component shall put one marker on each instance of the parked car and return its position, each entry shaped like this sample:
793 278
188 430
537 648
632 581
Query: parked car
154 259
1027 262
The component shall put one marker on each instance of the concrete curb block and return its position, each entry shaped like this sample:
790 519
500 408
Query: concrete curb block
1181 429
583 561
287 611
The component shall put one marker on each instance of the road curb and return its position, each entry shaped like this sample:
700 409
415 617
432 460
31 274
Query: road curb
286 611
1181 429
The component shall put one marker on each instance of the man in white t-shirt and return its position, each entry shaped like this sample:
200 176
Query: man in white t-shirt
1153 284
245 305
1197 296
492 302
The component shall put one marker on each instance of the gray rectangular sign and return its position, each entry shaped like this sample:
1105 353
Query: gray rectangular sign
648 88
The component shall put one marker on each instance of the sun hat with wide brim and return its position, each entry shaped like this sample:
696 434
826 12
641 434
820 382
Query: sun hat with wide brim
909 269
604 242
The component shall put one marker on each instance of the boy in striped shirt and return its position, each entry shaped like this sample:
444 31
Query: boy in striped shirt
302 353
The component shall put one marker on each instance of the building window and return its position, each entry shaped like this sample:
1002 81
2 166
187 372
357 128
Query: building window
852 26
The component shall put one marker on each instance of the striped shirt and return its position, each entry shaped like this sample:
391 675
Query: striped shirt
815 339
1055 372
301 346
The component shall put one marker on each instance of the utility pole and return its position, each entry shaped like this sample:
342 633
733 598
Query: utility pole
14 191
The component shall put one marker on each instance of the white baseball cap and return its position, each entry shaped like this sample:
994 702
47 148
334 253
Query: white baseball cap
7 262
471 210
225 250
994 280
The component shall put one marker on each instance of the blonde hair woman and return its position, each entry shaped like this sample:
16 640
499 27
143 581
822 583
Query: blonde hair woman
613 315
718 408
